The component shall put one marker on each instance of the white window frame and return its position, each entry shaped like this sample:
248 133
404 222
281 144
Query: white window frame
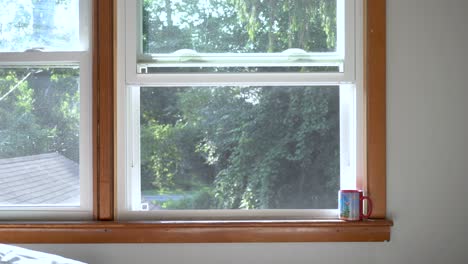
82 59
352 157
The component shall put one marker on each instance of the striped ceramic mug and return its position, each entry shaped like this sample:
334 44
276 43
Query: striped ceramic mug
350 205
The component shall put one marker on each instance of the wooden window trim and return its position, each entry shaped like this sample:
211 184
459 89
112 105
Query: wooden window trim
104 229
375 94
196 232
104 46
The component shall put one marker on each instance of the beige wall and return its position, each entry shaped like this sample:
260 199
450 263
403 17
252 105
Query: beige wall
427 159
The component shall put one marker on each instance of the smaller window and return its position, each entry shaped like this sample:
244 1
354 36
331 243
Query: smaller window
45 122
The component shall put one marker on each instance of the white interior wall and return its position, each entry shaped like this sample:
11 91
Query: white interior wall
427 159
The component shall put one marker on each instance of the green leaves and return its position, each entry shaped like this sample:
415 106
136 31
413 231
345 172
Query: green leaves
42 114
252 147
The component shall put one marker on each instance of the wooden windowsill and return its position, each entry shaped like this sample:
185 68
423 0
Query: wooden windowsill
196 231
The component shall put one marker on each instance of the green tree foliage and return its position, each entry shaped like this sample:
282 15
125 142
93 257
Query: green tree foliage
304 24
39 112
273 147
169 145
284 153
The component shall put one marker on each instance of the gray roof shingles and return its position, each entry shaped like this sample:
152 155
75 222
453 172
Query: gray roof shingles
45 179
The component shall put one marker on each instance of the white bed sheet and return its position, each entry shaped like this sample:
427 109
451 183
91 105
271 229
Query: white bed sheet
17 255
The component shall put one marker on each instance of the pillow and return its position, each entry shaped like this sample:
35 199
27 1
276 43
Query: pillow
16 255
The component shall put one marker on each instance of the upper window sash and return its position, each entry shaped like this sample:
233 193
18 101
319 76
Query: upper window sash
344 58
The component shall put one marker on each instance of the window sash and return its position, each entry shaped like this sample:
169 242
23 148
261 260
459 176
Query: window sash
85 140
130 202
346 38
344 24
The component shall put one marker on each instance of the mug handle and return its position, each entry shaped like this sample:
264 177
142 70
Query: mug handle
369 206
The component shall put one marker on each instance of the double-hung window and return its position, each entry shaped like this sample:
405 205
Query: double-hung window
239 109
222 111
45 110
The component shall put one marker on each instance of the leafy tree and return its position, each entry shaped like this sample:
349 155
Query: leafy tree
39 112
304 24
20 134
273 147
169 144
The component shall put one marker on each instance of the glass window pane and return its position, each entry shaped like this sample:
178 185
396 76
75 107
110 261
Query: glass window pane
240 147
48 25
239 36
233 26
39 136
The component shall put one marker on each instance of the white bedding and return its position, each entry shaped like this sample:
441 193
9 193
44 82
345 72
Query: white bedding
16 255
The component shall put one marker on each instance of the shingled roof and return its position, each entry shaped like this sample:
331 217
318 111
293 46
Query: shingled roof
39 179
